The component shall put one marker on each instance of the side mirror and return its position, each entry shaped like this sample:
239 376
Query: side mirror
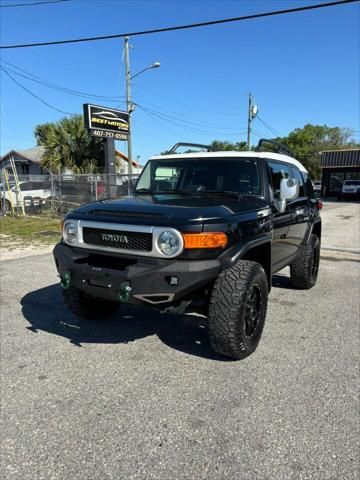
289 189
280 205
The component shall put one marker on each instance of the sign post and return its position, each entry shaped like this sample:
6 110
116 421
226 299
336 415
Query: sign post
111 125
110 170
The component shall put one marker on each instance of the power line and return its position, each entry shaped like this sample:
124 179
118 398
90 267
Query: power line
160 123
258 134
33 4
272 130
45 83
186 121
184 124
169 117
183 27
187 105
33 94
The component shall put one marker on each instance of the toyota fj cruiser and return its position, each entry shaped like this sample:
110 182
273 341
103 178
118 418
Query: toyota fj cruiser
203 230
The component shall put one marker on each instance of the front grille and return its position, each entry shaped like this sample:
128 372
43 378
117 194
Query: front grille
138 241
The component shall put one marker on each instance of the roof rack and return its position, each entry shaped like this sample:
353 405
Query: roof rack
184 144
279 148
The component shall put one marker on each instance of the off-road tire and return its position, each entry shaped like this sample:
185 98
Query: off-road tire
304 270
85 306
229 309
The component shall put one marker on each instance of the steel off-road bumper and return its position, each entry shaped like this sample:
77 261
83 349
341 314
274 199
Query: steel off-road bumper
153 281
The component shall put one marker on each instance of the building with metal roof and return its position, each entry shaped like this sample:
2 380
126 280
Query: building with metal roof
27 162
338 166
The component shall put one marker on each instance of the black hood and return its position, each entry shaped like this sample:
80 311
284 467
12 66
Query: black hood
171 208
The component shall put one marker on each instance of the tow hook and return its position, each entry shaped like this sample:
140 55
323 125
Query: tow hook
65 280
125 292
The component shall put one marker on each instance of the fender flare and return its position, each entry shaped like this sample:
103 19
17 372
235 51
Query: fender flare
240 250
316 221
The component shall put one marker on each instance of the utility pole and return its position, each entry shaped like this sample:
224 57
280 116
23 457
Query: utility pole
249 122
110 170
252 112
129 105
128 101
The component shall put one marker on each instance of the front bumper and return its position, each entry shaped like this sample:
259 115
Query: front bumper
153 281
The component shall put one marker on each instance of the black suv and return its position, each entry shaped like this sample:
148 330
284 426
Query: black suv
203 230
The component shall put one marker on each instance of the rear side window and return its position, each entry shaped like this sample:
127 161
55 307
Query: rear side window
37 186
297 175
308 185
278 171
352 182
25 186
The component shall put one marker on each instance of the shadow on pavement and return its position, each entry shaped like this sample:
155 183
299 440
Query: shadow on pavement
281 281
44 310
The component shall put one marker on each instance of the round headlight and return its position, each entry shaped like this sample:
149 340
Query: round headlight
70 231
169 243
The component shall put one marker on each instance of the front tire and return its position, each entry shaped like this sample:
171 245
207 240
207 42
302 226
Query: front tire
85 306
304 270
238 309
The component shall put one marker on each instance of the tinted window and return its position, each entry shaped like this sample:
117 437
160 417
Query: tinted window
278 171
352 182
308 185
201 175
25 186
38 186
297 175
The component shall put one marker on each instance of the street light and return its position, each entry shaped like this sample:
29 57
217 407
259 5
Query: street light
129 105
153 65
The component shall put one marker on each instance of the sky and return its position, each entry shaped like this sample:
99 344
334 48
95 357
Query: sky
301 68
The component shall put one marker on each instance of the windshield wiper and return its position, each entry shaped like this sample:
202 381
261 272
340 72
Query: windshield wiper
144 190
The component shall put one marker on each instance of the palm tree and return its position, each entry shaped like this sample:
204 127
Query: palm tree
68 145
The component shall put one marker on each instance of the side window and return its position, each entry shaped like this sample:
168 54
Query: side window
166 178
25 187
278 171
297 175
308 185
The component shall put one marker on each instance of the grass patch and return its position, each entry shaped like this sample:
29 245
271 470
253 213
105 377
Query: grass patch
28 231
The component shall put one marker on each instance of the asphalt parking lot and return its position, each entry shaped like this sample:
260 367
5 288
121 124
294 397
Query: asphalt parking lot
142 396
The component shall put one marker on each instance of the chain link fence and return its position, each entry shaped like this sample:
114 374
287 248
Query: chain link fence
58 194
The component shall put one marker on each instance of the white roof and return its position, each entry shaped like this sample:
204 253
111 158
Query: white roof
269 155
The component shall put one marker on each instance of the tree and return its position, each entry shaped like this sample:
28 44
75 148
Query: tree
308 142
218 145
68 145
41 131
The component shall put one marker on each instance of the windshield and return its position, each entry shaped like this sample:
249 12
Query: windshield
352 182
196 175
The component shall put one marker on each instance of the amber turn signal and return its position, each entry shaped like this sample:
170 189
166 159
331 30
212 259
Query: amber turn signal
205 240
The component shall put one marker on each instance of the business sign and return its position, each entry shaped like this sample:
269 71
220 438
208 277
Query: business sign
106 122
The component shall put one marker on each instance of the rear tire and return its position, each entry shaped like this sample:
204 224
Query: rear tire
304 270
238 309
85 306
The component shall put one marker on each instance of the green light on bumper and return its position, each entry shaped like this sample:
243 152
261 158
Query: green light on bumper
65 280
125 291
